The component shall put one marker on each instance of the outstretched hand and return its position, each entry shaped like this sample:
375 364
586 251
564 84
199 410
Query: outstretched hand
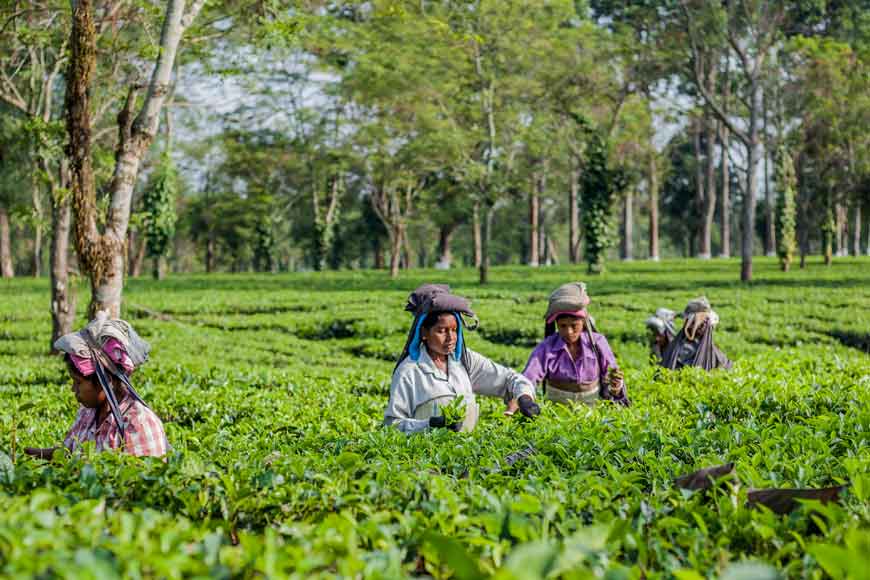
528 407
525 405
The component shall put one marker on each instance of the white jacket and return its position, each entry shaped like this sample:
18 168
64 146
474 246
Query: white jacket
419 388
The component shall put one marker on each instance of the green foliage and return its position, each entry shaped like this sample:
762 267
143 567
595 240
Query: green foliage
830 95
158 201
601 185
272 390
786 211
243 230
454 411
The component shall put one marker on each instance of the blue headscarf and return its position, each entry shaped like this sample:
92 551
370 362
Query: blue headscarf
414 347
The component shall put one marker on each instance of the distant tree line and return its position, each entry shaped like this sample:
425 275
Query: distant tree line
401 134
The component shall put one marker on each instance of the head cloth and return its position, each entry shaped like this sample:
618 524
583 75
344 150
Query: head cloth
568 299
430 298
105 347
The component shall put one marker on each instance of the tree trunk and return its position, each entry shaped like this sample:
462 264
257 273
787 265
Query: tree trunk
653 182
709 213
828 246
697 222
692 240
63 298
486 228
138 258
37 250
803 235
37 228
829 229
158 268
97 257
476 234
752 156
378 250
397 232
708 209
534 224
545 253
542 235
842 230
574 215
856 232
552 255
445 237
6 269
802 221
868 241
325 221
130 249
725 167
628 227
769 201
725 207
210 253
540 185
102 253
408 252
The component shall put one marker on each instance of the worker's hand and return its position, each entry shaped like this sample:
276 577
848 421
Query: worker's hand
512 407
439 423
528 407
616 381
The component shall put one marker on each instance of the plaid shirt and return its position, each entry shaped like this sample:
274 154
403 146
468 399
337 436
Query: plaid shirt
144 430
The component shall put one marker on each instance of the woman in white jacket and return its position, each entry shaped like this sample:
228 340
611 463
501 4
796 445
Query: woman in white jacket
436 367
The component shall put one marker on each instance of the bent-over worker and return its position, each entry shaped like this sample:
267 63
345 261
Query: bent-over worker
100 359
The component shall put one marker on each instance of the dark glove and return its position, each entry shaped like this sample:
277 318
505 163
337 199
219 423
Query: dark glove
528 406
440 423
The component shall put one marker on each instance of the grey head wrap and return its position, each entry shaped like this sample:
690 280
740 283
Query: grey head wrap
98 331
89 343
436 298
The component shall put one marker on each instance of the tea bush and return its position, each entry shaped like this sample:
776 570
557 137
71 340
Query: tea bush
272 389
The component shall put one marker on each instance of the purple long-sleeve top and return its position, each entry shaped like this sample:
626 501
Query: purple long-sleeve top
551 361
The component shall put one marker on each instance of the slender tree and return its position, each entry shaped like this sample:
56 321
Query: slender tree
653 187
725 167
751 29
101 250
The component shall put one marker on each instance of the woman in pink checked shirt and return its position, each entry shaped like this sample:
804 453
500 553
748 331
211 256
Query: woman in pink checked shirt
100 359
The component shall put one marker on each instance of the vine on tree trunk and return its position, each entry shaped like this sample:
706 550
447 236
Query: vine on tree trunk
159 202
600 186
787 211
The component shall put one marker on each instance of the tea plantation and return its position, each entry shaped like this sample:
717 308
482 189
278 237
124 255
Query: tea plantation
272 389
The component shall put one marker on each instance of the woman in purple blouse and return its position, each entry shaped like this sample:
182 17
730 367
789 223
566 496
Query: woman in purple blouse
574 362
